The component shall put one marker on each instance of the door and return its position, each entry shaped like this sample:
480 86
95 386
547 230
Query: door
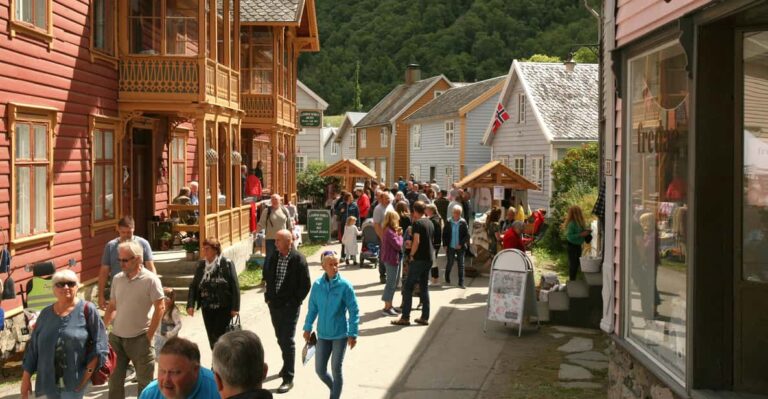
751 279
141 179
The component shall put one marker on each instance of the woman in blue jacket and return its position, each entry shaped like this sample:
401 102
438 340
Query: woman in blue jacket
331 298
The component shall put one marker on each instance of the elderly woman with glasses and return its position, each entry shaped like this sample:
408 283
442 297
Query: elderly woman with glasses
215 288
68 344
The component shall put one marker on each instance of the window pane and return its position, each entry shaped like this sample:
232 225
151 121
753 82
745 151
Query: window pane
41 199
657 209
41 142
145 28
41 13
109 144
98 145
23 203
109 192
24 10
22 141
98 192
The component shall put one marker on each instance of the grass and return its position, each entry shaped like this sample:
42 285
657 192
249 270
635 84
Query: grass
310 248
249 279
548 261
333 120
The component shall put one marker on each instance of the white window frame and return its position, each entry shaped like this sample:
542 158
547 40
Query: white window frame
384 137
334 148
438 93
363 138
449 173
383 169
537 171
300 159
416 136
450 129
521 108
518 165
353 140
102 123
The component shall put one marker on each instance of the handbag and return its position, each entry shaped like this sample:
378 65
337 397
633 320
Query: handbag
234 324
101 375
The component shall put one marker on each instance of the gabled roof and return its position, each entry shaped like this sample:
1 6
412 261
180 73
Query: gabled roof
315 96
565 103
495 173
271 10
397 101
350 120
327 134
455 101
348 168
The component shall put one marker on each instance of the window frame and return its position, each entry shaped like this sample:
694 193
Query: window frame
363 138
416 136
178 134
96 53
25 28
449 133
334 148
98 122
250 50
164 43
539 180
521 106
303 159
353 140
24 113
515 161
384 137
438 93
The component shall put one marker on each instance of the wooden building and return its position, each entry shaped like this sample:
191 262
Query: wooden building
346 136
312 136
383 136
686 198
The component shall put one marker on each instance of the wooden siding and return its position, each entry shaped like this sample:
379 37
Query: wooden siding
635 18
308 140
347 151
327 156
65 79
434 153
477 122
403 141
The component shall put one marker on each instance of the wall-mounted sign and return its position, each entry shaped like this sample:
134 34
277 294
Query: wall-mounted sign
310 118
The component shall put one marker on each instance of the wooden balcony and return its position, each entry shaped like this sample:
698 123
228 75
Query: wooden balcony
268 109
177 79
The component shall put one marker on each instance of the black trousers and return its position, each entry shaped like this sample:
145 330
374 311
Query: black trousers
216 322
435 271
574 253
284 319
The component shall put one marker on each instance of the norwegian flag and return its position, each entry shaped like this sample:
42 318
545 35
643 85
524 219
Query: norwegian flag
501 117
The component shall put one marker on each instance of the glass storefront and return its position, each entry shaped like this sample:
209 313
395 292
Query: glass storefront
655 215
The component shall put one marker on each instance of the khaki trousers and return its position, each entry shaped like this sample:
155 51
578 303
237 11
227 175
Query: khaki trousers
140 352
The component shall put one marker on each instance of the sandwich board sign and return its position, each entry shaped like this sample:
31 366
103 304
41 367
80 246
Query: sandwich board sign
512 295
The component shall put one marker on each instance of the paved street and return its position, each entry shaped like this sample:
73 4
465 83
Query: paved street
450 358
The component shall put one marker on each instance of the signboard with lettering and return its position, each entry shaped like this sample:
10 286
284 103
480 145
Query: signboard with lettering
310 118
319 225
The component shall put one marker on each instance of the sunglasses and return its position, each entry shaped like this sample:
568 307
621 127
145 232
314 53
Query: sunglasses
62 284
125 260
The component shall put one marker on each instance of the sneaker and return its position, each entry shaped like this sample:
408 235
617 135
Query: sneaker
462 286
130 373
397 310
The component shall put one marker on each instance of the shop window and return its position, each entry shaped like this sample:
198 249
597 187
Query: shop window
103 174
656 207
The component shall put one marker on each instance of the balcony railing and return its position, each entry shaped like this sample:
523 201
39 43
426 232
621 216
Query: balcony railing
261 108
173 78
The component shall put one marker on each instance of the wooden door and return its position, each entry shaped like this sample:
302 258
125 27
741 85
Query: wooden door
141 179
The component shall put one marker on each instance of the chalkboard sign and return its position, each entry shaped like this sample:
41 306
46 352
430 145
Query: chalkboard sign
319 225
309 118
512 294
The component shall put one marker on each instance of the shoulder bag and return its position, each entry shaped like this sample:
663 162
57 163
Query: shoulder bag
101 375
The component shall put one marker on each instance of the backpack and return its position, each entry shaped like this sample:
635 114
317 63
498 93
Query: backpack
101 375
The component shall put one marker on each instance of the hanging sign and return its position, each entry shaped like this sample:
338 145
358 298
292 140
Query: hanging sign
319 225
310 118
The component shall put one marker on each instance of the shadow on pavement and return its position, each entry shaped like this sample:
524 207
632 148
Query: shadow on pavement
474 298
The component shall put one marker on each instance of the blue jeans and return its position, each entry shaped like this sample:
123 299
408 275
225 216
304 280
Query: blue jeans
393 274
270 248
459 254
418 272
284 320
324 349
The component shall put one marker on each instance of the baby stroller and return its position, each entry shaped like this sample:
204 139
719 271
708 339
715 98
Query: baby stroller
371 244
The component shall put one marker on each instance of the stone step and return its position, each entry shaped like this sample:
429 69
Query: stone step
582 312
559 301
577 289
177 280
176 267
594 279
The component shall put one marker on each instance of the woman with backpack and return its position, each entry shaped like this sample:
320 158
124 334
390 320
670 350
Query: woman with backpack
215 289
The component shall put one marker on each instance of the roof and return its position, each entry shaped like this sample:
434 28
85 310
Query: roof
495 173
350 120
397 101
453 100
348 168
565 103
326 134
315 96
271 10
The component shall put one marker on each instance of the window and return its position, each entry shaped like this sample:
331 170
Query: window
521 108
656 175
178 163
31 162
449 133
256 63
537 171
449 173
383 170
518 165
384 137
103 27
301 163
438 93
363 138
504 159
104 171
177 34
353 141
32 17
334 148
416 136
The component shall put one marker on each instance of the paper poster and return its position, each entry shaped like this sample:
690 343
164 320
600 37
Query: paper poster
498 193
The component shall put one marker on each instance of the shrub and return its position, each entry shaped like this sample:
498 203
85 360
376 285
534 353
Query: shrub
311 186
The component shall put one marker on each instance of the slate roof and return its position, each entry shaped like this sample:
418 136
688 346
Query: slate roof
350 120
394 102
450 102
271 10
566 101
326 134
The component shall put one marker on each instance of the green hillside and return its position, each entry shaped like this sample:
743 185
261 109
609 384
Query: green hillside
465 40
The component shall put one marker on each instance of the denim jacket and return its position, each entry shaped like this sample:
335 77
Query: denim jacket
329 302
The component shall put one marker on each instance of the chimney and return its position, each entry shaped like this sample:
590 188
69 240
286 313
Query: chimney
412 74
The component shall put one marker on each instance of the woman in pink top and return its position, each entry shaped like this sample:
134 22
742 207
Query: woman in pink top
391 245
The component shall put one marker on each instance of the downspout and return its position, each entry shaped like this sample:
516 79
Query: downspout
392 144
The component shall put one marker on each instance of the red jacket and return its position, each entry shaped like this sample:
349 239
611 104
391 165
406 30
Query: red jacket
511 240
252 186
364 205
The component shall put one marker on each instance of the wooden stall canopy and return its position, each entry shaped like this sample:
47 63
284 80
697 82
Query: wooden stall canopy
348 169
495 173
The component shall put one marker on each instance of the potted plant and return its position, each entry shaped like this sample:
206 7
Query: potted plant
166 239
192 246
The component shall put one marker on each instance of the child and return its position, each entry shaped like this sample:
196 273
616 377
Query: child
170 324
349 239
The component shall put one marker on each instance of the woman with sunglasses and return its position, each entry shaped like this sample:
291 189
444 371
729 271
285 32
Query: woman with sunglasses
67 345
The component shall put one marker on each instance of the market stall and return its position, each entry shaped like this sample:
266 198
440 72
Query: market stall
348 170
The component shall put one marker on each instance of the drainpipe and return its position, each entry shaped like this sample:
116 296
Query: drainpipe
392 144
